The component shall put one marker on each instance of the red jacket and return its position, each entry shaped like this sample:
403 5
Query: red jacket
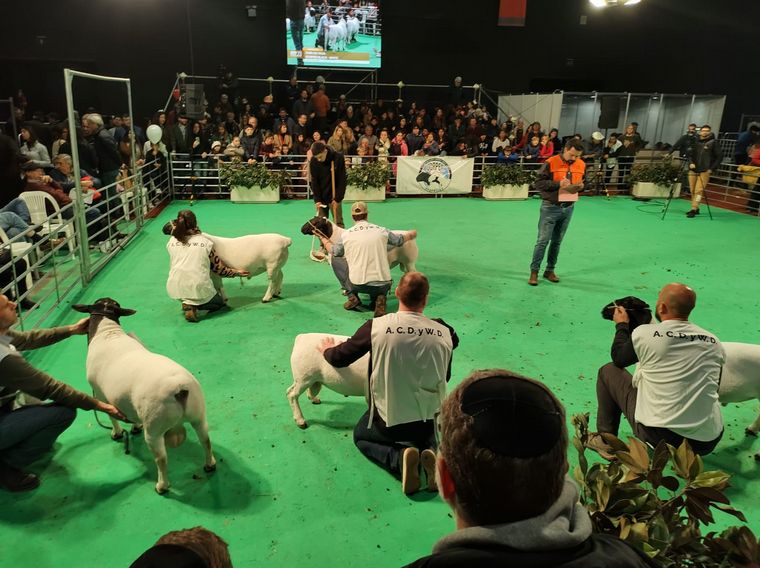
52 189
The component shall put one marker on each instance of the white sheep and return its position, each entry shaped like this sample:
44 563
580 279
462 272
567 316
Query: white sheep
267 252
150 389
404 256
352 28
335 39
311 371
740 380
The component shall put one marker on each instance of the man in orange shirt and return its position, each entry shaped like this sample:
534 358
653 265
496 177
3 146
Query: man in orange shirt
559 181
321 104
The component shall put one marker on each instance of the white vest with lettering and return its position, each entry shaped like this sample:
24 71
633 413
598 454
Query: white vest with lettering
190 270
365 247
410 358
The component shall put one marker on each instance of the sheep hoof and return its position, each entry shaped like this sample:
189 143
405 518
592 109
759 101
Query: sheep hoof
750 432
117 437
265 300
162 490
209 468
136 430
316 400
303 425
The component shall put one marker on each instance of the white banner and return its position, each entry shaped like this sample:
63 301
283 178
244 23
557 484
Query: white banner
434 174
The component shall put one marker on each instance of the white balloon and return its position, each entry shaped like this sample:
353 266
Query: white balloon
154 133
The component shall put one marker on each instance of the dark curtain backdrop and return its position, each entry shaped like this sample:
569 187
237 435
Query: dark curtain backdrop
695 46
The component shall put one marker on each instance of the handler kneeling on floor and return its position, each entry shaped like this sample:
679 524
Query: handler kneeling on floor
27 433
410 363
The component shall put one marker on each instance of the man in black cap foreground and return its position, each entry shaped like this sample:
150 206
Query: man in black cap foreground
501 467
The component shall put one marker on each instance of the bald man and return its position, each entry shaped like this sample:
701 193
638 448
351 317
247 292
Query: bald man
673 394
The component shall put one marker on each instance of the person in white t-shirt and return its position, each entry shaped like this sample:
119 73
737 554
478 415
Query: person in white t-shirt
673 394
410 364
365 267
192 258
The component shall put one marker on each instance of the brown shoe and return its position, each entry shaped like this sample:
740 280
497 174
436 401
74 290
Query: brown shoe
380 305
191 313
16 480
596 443
551 277
352 303
427 457
410 471
533 280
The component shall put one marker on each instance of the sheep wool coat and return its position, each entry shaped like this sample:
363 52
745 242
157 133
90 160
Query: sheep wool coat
189 270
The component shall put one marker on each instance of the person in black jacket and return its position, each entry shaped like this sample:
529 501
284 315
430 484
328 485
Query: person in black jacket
502 468
705 158
327 170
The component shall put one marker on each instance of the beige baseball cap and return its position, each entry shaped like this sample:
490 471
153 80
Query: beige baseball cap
359 208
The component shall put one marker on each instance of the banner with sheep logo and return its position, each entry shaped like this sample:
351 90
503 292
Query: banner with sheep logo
439 174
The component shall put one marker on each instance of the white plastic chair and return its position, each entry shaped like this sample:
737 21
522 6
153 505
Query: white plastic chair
36 202
19 250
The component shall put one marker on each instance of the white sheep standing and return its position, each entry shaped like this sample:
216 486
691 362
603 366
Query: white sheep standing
267 252
150 389
311 371
336 36
404 256
740 380
309 21
352 28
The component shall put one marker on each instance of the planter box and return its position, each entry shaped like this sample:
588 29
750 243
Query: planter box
371 194
499 192
650 190
255 194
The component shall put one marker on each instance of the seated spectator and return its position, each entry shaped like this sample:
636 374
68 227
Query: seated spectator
430 147
398 145
502 468
500 142
60 136
414 141
363 149
188 548
32 148
594 148
370 137
268 150
36 179
13 225
547 148
533 130
443 141
10 270
383 146
338 141
283 118
235 150
250 143
555 140
460 149
532 152
230 124
302 127
456 131
407 383
673 395
28 433
302 144
484 145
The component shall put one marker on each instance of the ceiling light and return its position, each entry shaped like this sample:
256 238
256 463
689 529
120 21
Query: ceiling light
598 3
609 3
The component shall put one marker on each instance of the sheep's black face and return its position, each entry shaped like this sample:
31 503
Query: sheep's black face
639 312
321 224
105 307
168 228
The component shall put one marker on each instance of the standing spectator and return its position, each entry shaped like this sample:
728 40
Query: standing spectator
109 162
632 143
609 156
753 202
686 142
291 92
230 123
559 177
594 148
32 148
303 105
500 430
407 383
321 104
283 118
673 394
198 157
180 136
302 127
296 11
472 133
705 158
744 142
221 135
60 136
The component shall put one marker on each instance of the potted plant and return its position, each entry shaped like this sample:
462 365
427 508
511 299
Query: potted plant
657 503
366 182
253 183
656 179
501 181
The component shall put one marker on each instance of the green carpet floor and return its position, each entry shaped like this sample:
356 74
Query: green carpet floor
286 497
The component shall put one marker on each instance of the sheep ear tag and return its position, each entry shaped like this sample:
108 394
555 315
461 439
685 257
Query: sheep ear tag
82 308
126 312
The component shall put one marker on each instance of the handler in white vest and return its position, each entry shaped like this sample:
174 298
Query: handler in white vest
192 258
673 394
410 363
365 268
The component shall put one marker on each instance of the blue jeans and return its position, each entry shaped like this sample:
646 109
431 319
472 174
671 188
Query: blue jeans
12 224
296 30
552 225
18 206
28 433
340 269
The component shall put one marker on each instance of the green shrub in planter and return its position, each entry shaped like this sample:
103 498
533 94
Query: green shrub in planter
369 174
657 503
502 174
661 173
234 174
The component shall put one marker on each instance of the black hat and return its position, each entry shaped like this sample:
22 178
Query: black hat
30 165
513 416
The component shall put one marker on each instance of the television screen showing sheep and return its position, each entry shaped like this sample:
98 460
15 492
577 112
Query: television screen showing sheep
318 35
